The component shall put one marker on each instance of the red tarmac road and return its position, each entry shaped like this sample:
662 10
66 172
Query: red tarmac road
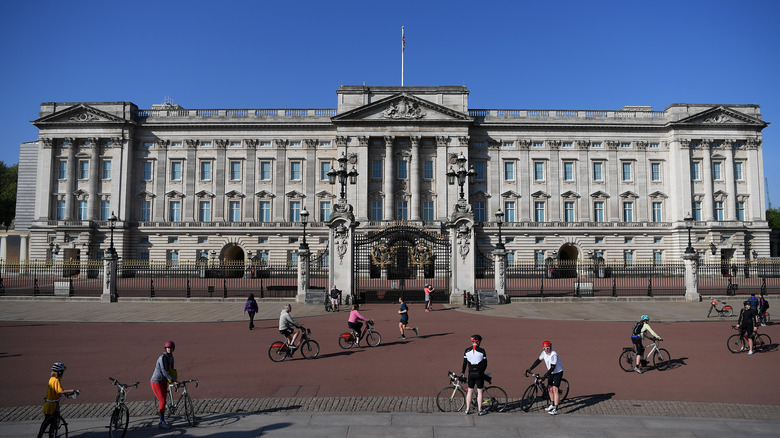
232 362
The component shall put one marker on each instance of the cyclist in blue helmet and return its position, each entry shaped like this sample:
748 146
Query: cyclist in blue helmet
640 331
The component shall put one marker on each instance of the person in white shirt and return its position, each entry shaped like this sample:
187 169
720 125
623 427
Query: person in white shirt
554 374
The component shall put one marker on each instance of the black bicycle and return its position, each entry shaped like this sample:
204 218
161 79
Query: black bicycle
120 417
55 426
452 398
537 391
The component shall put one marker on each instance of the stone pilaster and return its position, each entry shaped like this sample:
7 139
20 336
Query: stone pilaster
691 277
389 177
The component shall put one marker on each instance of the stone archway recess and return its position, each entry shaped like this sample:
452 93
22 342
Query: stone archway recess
233 259
567 260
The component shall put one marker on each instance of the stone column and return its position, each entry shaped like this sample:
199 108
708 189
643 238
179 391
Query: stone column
707 207
499 264
414 180
691 277
220 170
388 180
3 252
161 201
95 175
70 185
731 184
303 274
23 248
109 278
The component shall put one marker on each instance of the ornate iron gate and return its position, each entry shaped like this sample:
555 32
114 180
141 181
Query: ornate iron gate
399 260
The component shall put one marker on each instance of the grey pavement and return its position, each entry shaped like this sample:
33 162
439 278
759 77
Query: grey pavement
391 416
423 425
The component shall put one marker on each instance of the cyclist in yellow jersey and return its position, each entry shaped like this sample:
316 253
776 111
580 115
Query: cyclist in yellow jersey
54 389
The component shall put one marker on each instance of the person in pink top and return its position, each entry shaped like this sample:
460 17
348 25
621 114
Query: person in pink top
356 322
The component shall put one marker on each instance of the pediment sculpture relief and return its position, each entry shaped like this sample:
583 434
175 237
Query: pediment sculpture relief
403 109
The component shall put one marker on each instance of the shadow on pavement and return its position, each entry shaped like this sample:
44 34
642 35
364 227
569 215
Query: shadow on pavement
676 363
574 404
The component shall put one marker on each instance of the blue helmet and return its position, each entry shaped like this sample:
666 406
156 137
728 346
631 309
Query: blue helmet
645 318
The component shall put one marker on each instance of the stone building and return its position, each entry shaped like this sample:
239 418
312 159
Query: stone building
230 184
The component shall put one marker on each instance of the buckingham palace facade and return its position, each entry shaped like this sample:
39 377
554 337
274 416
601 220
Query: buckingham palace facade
189 184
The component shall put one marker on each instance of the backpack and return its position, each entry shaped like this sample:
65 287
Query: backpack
638 328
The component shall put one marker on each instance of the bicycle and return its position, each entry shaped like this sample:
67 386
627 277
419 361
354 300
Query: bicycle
453 398
537 391
309 348
121 415
172 406
724 311
348 339
55 426
661 357
736 343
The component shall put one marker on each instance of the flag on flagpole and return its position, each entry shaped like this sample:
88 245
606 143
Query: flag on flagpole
403 39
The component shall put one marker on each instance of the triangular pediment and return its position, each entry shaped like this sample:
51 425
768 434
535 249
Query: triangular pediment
629 195
175 194
204 194
324 194
294 194
510 194
402 108
145 194
599 195
79 114
570 194
721 116
234 194
658 195
265 194
540 194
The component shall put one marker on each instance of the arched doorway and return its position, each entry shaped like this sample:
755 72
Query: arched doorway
567 261
233 261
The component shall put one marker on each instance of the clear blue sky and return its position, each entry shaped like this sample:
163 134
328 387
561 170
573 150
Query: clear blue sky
513 54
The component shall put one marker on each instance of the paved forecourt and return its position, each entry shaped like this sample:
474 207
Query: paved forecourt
396 381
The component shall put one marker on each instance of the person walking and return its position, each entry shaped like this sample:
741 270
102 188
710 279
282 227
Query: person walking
554 375
164 373
475 359
54 389
763 305
334 298
403 323
251 307
428 291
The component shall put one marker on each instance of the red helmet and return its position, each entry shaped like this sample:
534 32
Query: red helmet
546 344
170 344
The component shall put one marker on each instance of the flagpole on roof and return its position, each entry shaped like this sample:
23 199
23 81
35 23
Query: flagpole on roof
403 47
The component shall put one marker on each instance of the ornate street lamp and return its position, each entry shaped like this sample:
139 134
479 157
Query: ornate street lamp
499 221
461 174
342 174
689 225
304 218
111 225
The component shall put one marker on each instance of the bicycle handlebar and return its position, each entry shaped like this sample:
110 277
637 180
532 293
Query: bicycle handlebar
184 383
72 395
123 385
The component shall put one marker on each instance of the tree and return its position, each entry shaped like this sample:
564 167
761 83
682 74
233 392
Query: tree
773 217
8 181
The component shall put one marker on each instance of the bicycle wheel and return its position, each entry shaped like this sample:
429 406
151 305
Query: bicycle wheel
728 312
54 426
763 342
661 359
346 340
189 410
373 339
170 407
563 390
734 344
119 421
451 399
494 399
627 360
310 349
529 398
276 353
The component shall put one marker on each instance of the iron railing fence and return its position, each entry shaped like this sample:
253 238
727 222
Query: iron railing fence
278 279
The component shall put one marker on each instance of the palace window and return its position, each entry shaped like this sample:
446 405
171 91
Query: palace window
695 170
402 210
295 211
295 170
568 211
479 211
105 207
655 171
716 170
740 210
657 212
598 211
265 171
147 170
146 211
324 169
427 211
235 211
402 170
324 211
626 171
175 170
235 170
376 169
265 211
479 167
175 211
696 213
83 169
568 171
509 170
718 210
204 211
82 211
509 211
63 173
538 170
205 170
539 211
376 210
428 170
598 171
738 171
628 211
106 169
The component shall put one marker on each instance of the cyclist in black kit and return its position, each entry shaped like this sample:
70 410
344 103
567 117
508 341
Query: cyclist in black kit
475 359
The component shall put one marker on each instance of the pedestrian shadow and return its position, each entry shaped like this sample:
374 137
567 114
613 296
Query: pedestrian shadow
574 404
4 355
433 335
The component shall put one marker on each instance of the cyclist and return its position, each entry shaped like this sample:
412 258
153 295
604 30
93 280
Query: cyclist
553 375
640 331
356 322
54 389
747 325
164 373
286 322
475 359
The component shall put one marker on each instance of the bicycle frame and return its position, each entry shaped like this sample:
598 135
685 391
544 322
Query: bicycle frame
182 384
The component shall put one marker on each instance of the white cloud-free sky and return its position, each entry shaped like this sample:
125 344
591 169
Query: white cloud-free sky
263 54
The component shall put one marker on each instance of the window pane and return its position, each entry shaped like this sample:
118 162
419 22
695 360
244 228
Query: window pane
295 170
655 170
479 211
402 172
205 170
376 169
146 211
295 211
509 211
147 170
107 169
538 171
428 170
235 170
597 174
175 211
235 211
598 211
265 211
205 211
265 170
428 211
324 169
325 211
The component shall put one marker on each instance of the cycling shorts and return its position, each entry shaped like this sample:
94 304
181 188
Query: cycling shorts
477 380
356 326
555 379
286 332
637 340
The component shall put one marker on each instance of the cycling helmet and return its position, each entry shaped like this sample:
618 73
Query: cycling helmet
476 338
58 367
170 344
546 344
645 318
746 303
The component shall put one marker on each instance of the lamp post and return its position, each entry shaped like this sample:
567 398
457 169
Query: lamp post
111 225
461 174
304 218
342 174
689 225
499 221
